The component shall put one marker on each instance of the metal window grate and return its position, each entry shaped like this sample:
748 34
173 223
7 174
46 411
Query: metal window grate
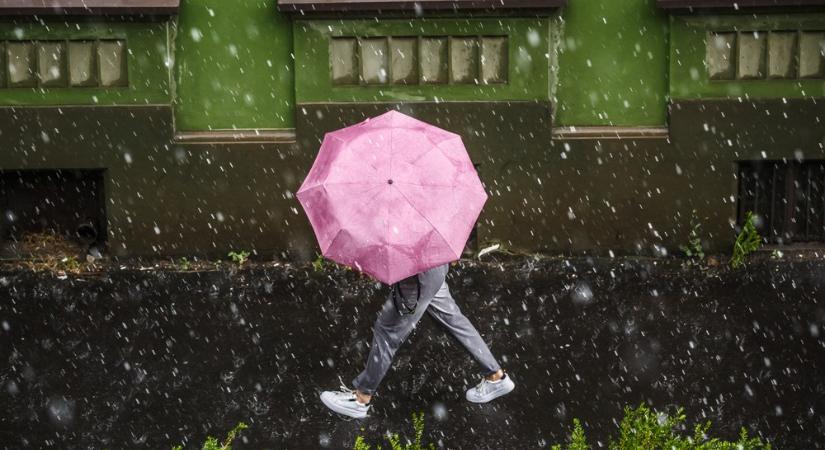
788 197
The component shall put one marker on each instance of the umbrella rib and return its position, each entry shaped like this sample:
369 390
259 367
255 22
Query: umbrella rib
437 231
387 217
408 183
364 183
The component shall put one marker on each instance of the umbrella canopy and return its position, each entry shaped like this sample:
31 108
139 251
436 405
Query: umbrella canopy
392 196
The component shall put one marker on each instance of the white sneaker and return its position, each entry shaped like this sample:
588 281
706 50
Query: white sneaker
489 390
345 402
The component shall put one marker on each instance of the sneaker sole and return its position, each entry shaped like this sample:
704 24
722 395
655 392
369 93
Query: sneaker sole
344 412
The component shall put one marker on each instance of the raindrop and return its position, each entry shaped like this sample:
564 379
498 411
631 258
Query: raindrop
582 294
196 34
440 412
533 38
61 411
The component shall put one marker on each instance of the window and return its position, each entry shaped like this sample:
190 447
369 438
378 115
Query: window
61 64
419 60
760 54
88 7
307 6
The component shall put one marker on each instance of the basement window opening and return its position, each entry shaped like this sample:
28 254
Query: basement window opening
788 197
43 207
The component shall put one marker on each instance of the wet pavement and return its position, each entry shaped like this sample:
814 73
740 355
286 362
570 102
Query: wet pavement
148 359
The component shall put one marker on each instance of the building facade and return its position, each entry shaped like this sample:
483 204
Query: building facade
597 126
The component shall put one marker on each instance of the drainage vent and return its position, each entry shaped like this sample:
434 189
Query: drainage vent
788 197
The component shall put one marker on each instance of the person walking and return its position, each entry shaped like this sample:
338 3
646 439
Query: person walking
408 300
396 198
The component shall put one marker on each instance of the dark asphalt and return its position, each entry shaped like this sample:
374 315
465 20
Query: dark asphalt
148 359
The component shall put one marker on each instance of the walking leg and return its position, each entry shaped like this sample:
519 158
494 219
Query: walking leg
444 310
389 332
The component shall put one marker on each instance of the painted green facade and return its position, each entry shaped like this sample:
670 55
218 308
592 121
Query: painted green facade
233 66
204 147
613 58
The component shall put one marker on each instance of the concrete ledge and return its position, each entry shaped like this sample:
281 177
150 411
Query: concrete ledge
88 7
735 4
309 6
255 136
570 133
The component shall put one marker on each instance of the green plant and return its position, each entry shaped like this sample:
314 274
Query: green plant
644 429
577 440
240 257
318 264
184 263
69 264
395 440
747 241
213 444
693 250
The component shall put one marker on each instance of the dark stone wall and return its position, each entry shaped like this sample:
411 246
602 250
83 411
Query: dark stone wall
625 195
164 198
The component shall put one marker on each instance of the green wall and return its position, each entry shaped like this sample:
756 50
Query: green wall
689 77
148 50
233 66
612 63
528 52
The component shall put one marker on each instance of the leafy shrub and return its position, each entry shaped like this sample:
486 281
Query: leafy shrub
318 263
395 440
643 429
747 241
239 258
213 444
693 250
577 439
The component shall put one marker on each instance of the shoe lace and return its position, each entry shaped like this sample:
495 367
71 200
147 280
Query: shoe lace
481 387
344 387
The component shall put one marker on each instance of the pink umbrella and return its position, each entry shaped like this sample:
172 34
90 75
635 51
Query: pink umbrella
392 196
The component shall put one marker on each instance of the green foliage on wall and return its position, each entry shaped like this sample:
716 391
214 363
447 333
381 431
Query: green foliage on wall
233 66
612 64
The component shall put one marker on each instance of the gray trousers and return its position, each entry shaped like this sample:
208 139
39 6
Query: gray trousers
430 294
